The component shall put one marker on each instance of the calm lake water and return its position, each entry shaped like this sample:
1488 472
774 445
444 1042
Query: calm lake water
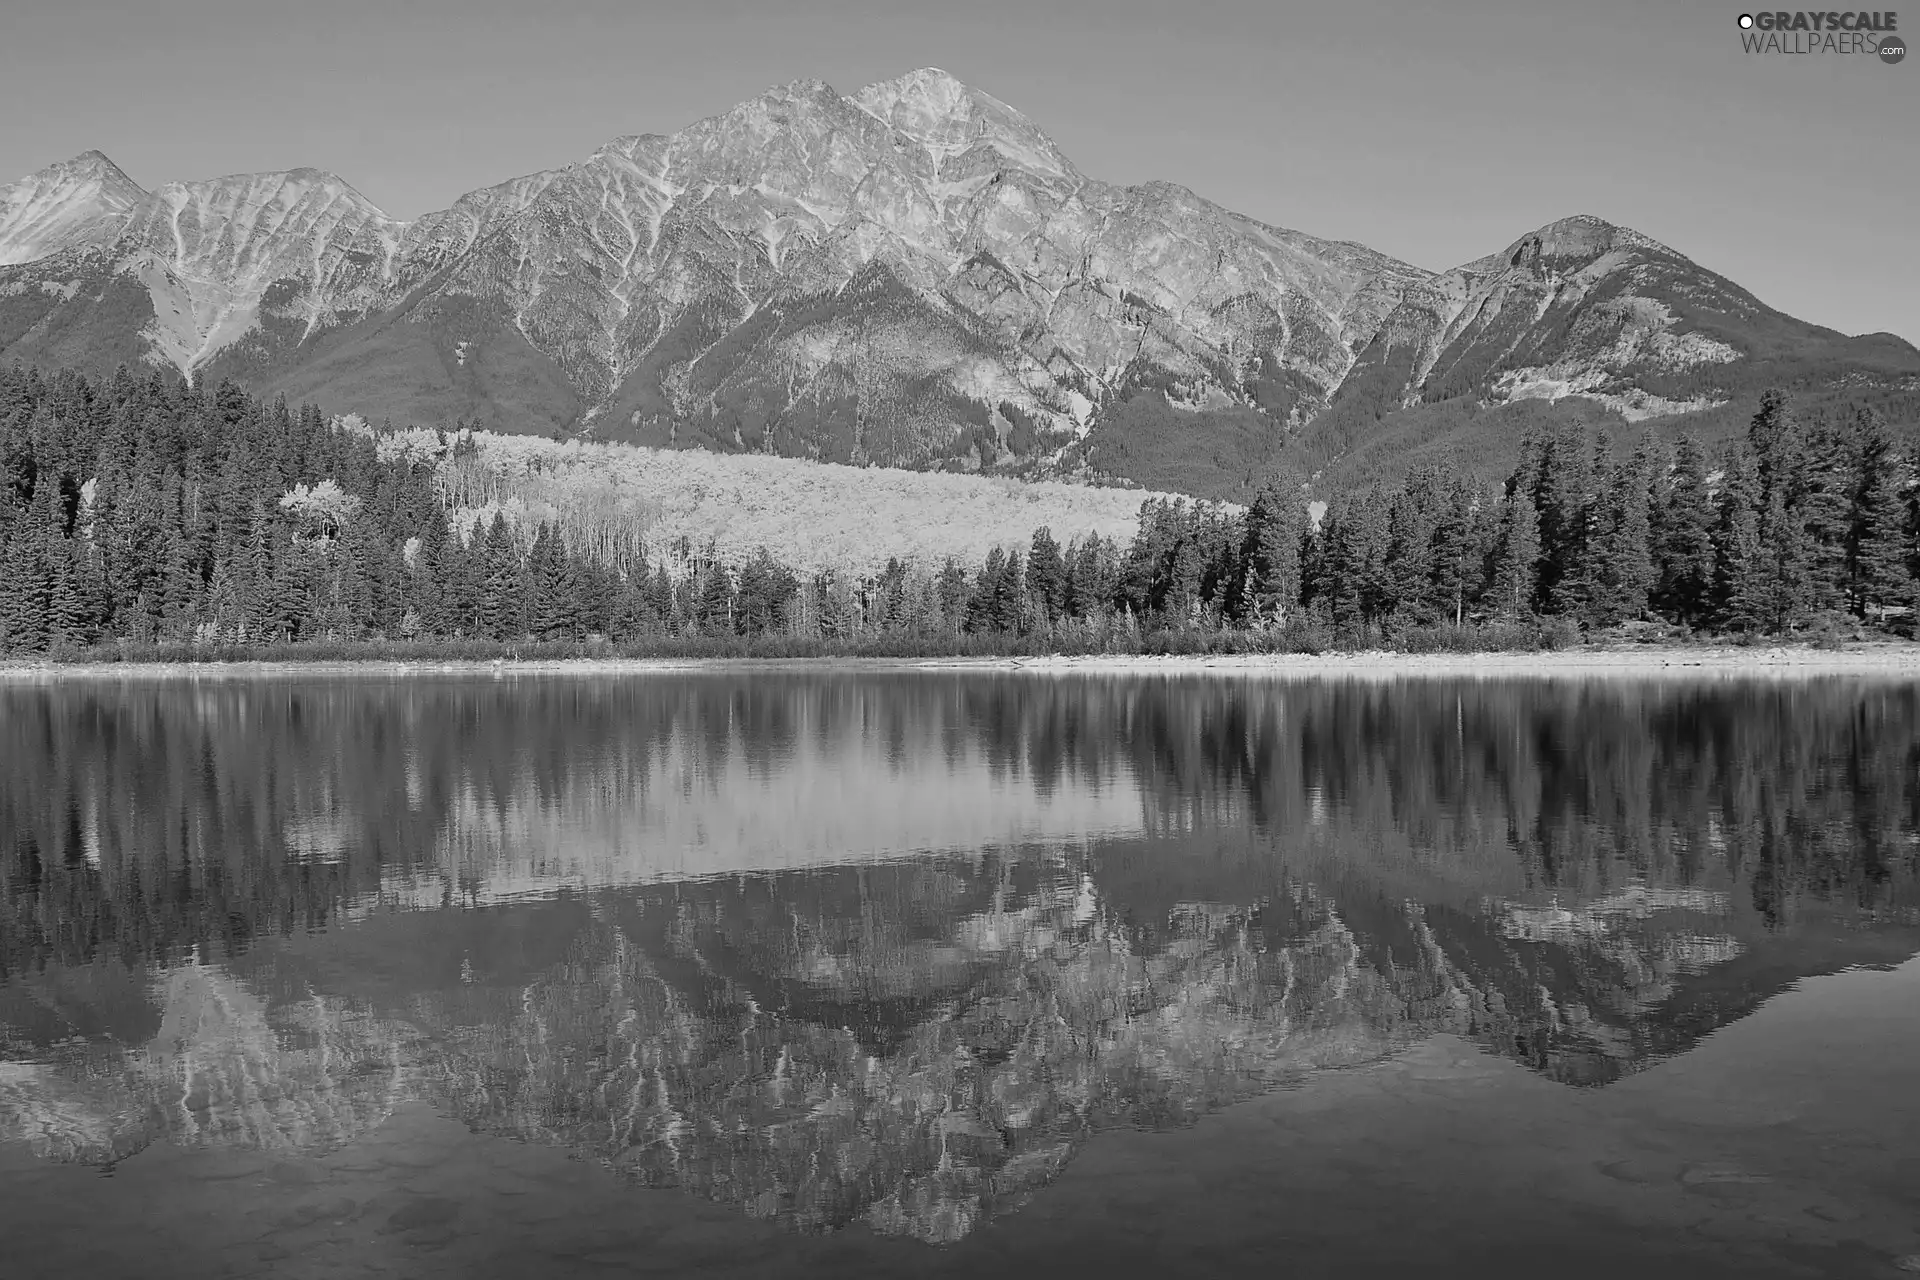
959 974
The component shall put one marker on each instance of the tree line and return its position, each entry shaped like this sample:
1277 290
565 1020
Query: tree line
145 509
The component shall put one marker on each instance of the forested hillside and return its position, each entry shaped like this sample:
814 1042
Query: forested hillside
1343 449
142 510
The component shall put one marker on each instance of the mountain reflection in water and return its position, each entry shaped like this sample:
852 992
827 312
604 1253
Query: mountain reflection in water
890 948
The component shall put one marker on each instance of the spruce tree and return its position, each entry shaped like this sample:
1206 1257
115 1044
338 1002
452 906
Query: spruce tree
1785 555
629 616
499 612
179 588
1775 439
1564 499
547 615
1877 573
952 591
1740 591
69 620
464 588
1684 557
1460 544
1046 574
1179 591
662 600
260 607
1269 590
1829 478
983 606
426 585
1620 566
293 603
32 623
767 590
715 608
1408 557
1009 594
1516 570
1366 557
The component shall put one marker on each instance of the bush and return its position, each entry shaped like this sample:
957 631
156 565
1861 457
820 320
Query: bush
1559 633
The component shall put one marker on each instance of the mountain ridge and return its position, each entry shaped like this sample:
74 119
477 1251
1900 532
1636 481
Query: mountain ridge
911 275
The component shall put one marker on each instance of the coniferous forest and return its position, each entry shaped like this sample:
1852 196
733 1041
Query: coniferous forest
143 516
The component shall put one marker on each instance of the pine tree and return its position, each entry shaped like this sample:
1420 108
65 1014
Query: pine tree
547 616
1361 592
983 608
1408 564
68 617
593 586
1877 574
426 586
952 591
1269 589
179 588
1786 553
891 589
292 587
499 613
1010 597
663 601
1460 545
1740 594
1784 557
1564 499
260 604
31 580
1684 557
1516 571
629 617
358 581
714 612
1046 574
767 590
1775 439
1829 477
1620 566
1179 592
465 586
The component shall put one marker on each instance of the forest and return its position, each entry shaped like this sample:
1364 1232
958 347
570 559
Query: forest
141 515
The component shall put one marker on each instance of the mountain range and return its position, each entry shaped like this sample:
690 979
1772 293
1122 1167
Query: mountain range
913 275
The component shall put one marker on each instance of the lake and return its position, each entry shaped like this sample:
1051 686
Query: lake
958 973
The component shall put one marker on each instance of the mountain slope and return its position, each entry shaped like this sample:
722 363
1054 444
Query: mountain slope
1636 332
914 275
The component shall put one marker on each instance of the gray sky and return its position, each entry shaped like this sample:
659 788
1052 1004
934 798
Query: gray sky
1434 132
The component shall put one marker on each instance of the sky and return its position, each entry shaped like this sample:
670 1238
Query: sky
1437 133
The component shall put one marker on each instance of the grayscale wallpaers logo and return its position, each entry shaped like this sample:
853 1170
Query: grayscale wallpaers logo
1830 32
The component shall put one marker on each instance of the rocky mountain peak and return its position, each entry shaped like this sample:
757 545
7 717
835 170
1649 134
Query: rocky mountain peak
94 166
914 276
949 117
1567 243
288 186
84 200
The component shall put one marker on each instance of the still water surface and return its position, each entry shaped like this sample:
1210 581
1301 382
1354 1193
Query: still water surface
959 974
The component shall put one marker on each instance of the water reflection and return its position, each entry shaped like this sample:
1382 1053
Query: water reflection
845 949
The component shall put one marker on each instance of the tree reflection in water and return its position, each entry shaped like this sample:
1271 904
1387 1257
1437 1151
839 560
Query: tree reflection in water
889 948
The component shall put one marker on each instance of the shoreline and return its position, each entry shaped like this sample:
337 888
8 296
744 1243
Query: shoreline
1894 660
